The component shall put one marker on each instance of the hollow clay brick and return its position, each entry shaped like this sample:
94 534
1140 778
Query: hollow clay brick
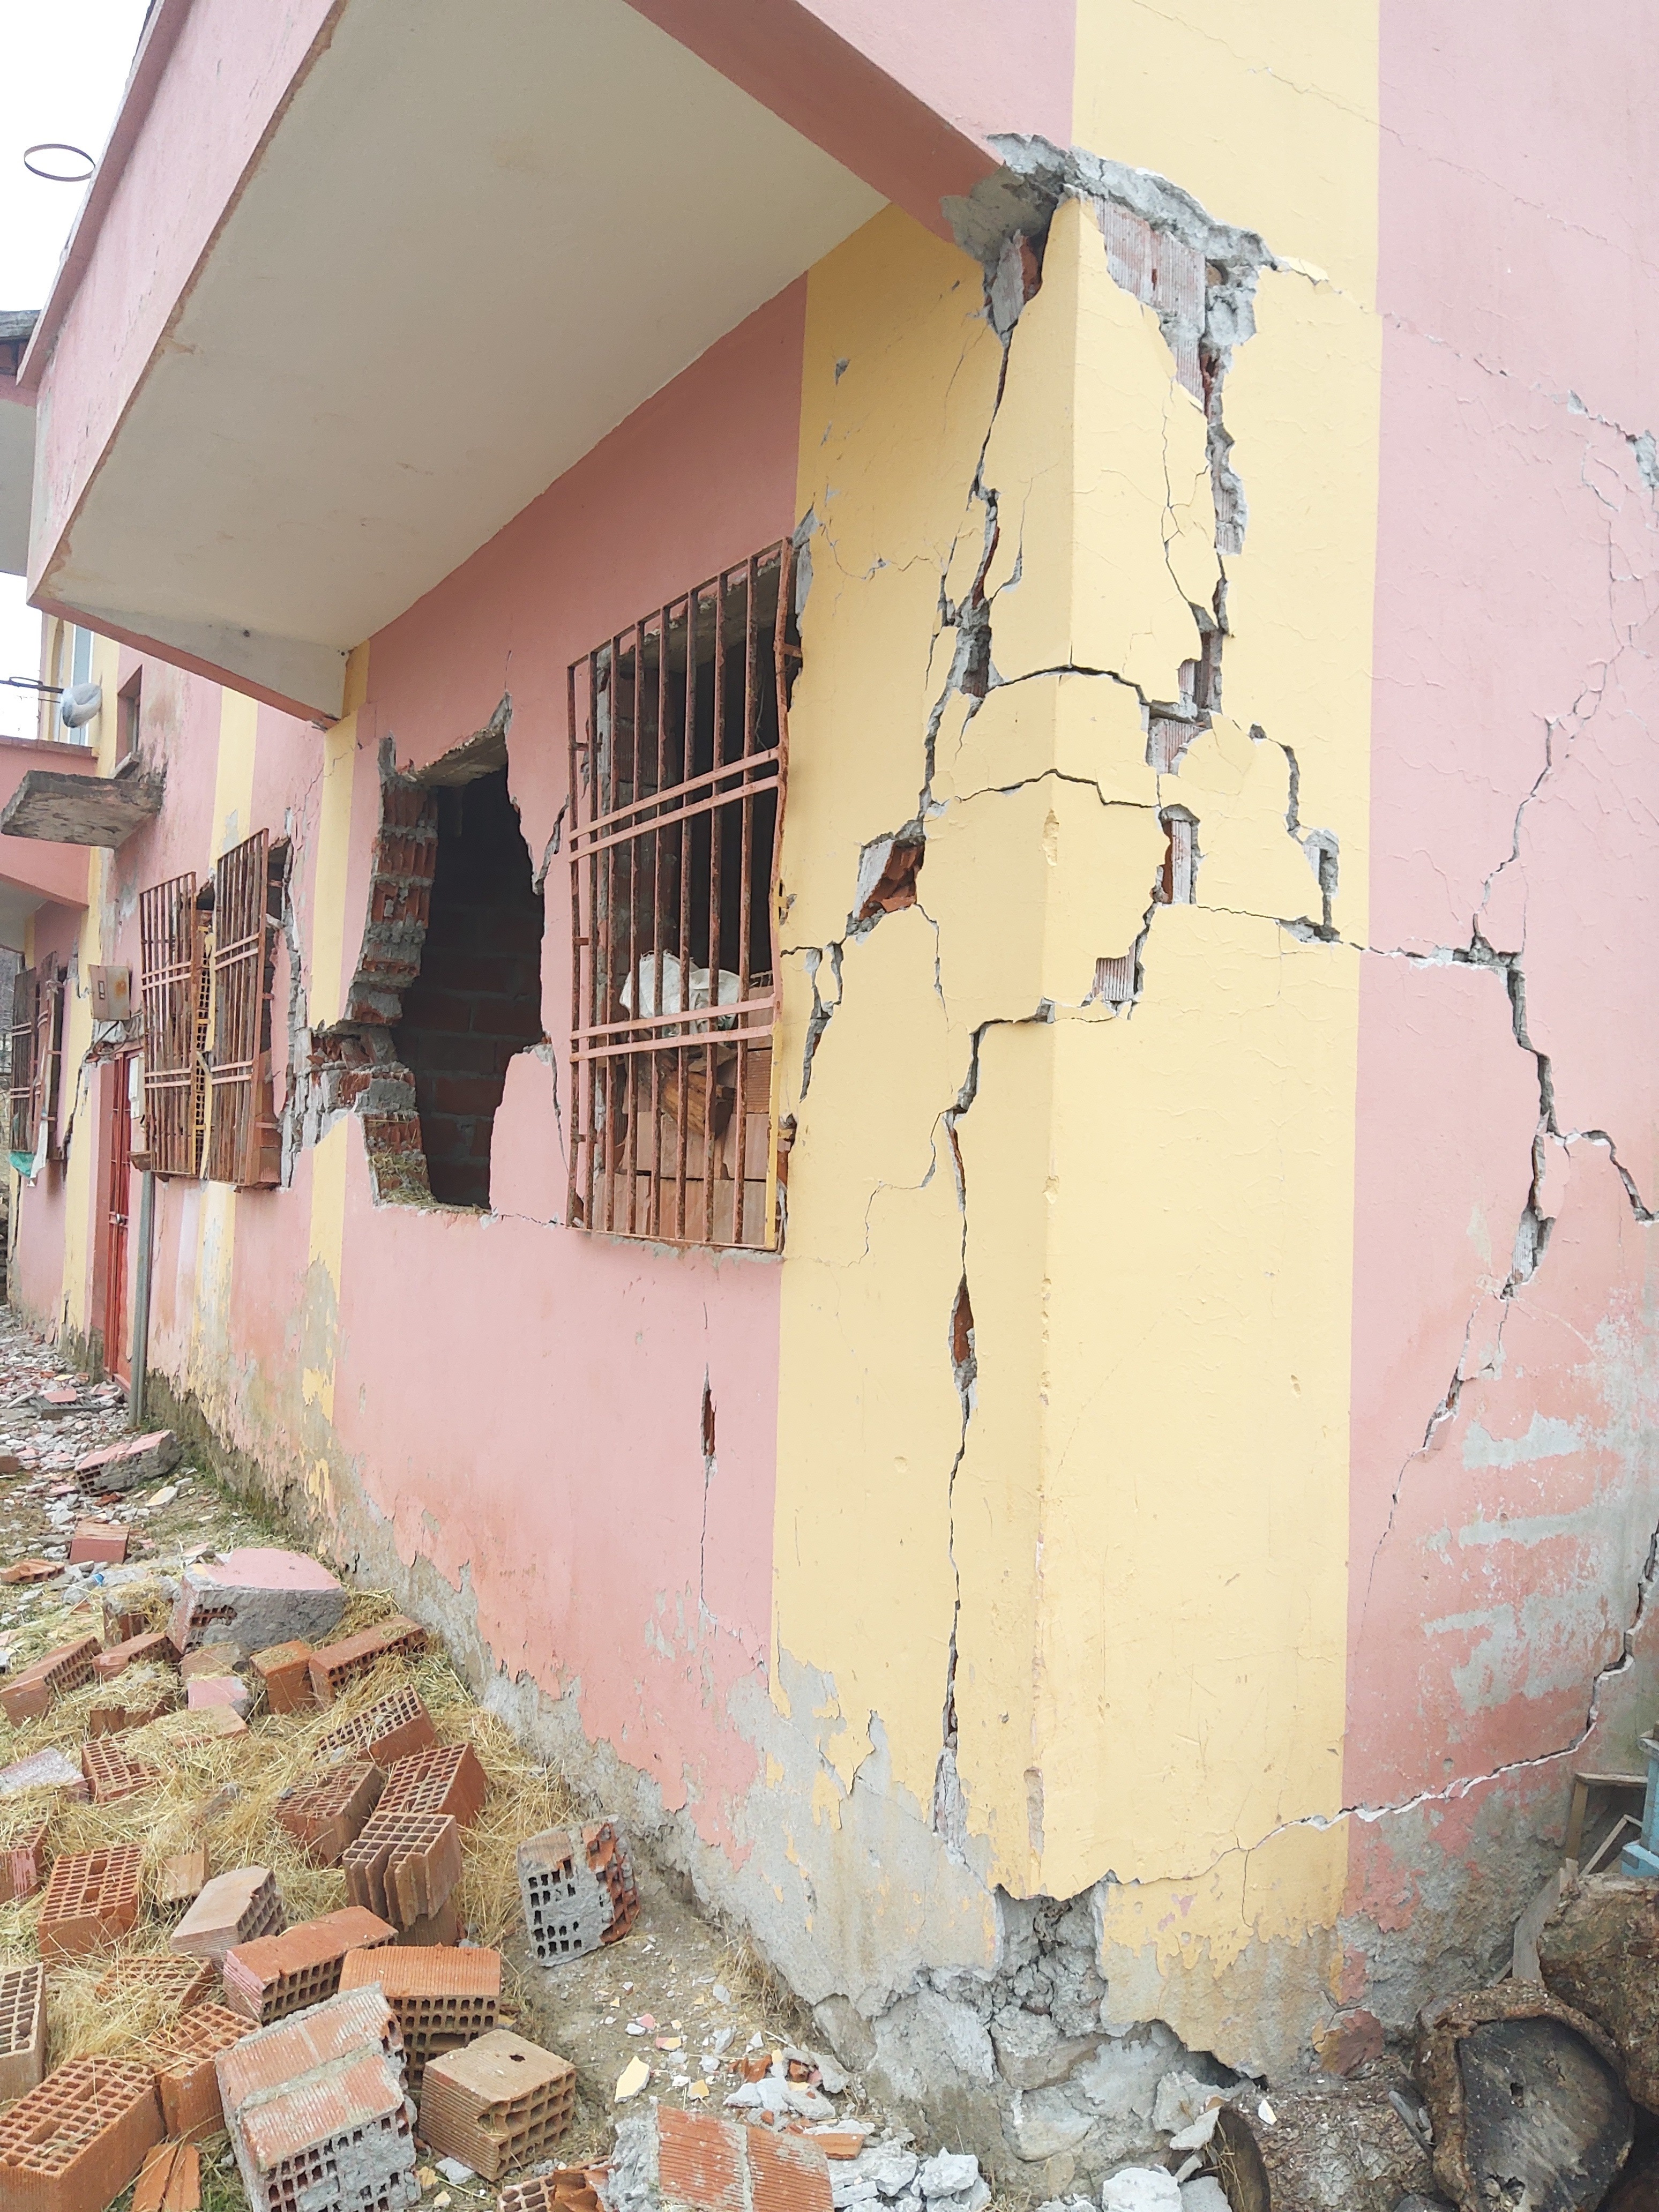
337 1665
183 1877
275 1975
233 1908
181 1984
121 1714
206 1659
135 1460
577 1889
499 2104
110 1774
186 2077
446 1778
33 1691
22 2028
255 1598
444 1927
204 1691
90 1900
701 2161
404 1865
329 1812
32 1570
566 2189
75 2142
319 2099
444 1998
98 1543
388 1730
150 1645
23 1864
284 1674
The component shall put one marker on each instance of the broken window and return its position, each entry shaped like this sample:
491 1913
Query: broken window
37 1037
244 1142
171 986
476 1000
679 739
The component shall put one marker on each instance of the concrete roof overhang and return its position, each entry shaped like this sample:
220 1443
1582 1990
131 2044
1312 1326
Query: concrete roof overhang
288 383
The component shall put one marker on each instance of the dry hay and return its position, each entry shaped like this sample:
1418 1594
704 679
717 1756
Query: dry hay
223 1791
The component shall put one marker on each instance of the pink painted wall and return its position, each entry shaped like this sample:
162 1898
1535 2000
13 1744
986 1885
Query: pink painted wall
1505 1483
522 1403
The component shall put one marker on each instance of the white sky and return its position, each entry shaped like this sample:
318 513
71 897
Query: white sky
63 64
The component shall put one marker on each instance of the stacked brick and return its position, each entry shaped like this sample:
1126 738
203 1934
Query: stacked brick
320 2100
577 1889
36 1689
232 1909
75 2142
23 1862
400 904
328 1814
501 2103
388 1730
405 1866
186 2076
337 1666
275 1975
90 1901
443 1998
22 2028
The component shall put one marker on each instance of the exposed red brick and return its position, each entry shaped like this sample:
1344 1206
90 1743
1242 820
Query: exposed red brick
110 1774
121 1714
607 1855
388 1730
275 1975
22 2028
186 2078
170 2179
151 1646
75 2142
404 1865
34 1690
182 1983
206 1659
707 2164
203 1692
315 2093
329 1812
578 1890
90 1900
336 1665
98 1543
233 1908
446 1778
284 1674
1347 2042
788 2173
443 1927
501 2103
32 1570
566 2189
134 1460
23 1864
124 1619
443 1998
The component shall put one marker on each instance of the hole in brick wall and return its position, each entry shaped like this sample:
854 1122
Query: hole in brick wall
477 999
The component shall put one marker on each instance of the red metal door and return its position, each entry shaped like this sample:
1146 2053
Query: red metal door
117 1358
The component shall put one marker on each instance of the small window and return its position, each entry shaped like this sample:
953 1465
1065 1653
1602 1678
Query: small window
130 721
244 1142
172 985
678 738
80 656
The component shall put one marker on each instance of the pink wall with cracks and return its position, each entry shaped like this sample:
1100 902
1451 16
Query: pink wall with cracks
1498 1567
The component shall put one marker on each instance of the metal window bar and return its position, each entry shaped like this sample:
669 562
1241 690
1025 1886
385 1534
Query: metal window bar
242 1137
678 756
171 981
25 993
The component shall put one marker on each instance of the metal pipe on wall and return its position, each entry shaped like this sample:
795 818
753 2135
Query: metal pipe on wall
141 1300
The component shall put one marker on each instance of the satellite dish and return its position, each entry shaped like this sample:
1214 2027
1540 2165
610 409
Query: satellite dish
80 704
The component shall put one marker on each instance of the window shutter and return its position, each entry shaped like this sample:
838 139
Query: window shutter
48 1049
23 1125
244 1142
170 972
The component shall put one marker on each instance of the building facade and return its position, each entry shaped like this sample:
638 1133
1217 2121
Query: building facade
891 874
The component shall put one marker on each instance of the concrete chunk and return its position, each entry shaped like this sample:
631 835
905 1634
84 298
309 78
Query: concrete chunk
134 1460
254 1599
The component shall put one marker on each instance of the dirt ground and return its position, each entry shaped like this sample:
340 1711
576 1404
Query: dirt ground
678 1992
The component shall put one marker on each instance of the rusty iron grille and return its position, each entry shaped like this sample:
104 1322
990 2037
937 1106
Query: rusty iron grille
242 1139
23 1122
48 1052
678 752
171 986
